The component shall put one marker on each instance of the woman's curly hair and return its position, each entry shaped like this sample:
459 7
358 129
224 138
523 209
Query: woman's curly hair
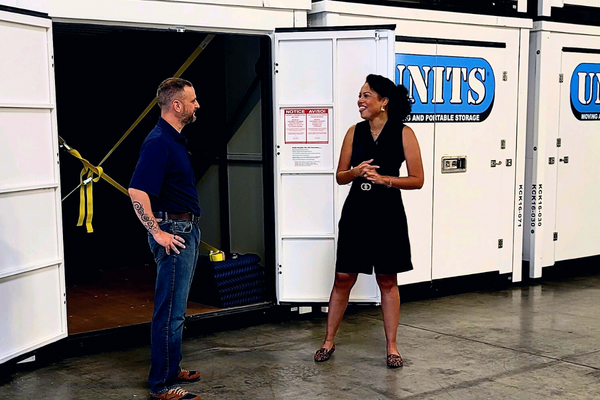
399 105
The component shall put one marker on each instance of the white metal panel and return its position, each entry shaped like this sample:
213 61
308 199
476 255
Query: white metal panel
29 313
308 201
307 205
557 27
473 210
33 5
25 155
305 82
30 43
545 6
578 180
215 16
28 230
32 289
306 274
340 13
586 3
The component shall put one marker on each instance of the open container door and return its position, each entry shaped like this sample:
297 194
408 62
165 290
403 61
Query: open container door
318 73
32 282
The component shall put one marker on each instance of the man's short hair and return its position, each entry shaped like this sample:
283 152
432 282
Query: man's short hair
169 90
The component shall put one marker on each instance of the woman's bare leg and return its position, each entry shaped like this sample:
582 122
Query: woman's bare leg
390 306
337 305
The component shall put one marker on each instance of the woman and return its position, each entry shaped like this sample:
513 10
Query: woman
373 233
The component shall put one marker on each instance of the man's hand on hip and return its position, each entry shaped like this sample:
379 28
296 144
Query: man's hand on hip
169 241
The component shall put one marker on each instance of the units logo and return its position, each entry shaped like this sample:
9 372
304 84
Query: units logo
585 92
447 89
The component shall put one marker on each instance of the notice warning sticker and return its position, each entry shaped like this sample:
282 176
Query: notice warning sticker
306 125
307 156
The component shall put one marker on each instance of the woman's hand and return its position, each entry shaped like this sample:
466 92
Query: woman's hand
365 169
372 176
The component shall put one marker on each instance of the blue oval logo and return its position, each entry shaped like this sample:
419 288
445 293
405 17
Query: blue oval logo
585 92
447 89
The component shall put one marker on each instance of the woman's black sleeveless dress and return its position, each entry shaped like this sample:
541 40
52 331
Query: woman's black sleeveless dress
373 232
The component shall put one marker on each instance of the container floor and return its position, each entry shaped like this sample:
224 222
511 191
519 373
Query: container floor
116 298
528 341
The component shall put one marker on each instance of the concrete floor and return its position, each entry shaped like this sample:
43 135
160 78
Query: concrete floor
524 342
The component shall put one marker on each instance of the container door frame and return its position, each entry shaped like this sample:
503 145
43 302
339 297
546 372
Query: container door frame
306 236
32 277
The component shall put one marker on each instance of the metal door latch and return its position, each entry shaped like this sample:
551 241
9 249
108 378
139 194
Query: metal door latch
565 159
493 163
454 164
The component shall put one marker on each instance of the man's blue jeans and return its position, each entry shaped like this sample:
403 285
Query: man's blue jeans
173 281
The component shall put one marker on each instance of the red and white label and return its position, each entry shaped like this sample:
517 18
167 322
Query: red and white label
306 125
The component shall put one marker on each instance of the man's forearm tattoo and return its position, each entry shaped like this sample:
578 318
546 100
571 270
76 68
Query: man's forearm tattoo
148 222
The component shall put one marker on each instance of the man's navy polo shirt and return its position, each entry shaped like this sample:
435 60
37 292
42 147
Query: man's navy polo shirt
164 171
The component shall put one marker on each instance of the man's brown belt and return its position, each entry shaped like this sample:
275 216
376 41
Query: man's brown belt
165 216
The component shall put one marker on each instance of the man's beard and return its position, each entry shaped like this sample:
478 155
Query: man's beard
188 119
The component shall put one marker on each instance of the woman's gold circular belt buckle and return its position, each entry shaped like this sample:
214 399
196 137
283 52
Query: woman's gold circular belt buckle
365 186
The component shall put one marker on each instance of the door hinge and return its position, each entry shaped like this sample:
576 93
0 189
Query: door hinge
505 76
376 36
509 162
565 159
503 144
555 236
551 160
500 243
558 142
561 78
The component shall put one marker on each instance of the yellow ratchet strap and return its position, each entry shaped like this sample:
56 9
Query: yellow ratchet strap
214 253
85 185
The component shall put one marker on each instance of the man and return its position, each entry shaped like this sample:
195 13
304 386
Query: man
164 197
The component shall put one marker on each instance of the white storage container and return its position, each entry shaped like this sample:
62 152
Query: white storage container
562 144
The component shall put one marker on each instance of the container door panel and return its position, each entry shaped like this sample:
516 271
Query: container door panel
32 282
473 209
578 180
317 76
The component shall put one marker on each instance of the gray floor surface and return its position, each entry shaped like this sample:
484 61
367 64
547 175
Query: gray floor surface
524 342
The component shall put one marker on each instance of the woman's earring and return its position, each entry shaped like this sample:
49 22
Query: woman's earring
382 109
